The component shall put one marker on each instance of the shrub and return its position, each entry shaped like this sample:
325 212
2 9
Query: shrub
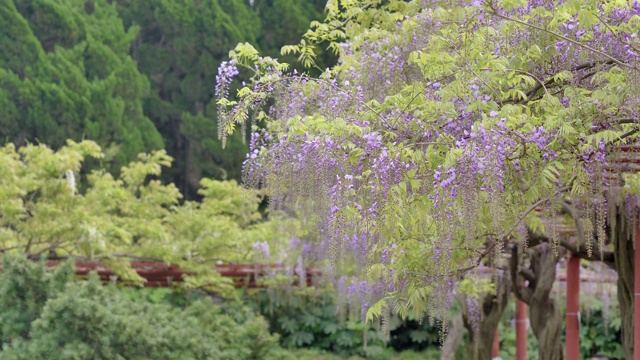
59 319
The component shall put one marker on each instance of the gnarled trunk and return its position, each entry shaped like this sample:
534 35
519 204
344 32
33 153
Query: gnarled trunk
546 323
544 316
453 339
482 330
623 264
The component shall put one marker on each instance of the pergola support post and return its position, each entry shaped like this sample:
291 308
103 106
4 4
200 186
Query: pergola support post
573 309
495 349
521 330
636 293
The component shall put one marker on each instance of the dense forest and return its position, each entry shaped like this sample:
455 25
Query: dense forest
134 76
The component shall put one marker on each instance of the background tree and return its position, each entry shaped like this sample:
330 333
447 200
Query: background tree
179 47
69 75
72 73
116 219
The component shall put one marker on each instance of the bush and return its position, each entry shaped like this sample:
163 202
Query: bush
59 319
308 319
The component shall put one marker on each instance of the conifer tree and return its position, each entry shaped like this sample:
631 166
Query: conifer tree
179 47
66 73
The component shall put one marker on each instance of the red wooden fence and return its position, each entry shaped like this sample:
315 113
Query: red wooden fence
158 274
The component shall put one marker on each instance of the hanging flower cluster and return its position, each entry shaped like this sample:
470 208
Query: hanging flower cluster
438 133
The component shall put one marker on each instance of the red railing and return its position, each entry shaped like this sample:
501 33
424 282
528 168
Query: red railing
158 274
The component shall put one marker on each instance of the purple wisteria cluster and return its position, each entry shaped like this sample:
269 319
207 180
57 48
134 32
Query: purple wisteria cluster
430 139
226 73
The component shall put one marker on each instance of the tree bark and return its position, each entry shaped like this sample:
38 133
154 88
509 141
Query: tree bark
491 307
453 339
544 316
623 264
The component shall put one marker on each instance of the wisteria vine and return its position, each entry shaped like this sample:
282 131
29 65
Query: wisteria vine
429 144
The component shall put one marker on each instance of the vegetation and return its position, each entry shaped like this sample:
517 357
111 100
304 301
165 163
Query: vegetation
424 152
69 75
132 76
45 309
179 48
309 319
428 173
42 311
116 219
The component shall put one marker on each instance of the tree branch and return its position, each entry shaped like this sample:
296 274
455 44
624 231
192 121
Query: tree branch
551 82
528 275
576 220
629 133
506 234
581 252
522 292
607 256
577 43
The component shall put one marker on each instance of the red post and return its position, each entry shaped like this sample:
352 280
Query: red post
521 330
495 349
636 298
573 309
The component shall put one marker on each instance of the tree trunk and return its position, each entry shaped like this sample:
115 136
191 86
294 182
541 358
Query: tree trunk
546 323
453 339
623 264
544 316
491 307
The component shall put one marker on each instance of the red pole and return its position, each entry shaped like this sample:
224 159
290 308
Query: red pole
495 349
521 330
636 298
573 309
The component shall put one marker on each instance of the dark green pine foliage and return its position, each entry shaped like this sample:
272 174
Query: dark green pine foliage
180 46
25 287
66 72
284 22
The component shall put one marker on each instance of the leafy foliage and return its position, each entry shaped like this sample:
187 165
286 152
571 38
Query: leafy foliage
87 320
600 331
439 132
132 216
25 289
309 318
310 321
